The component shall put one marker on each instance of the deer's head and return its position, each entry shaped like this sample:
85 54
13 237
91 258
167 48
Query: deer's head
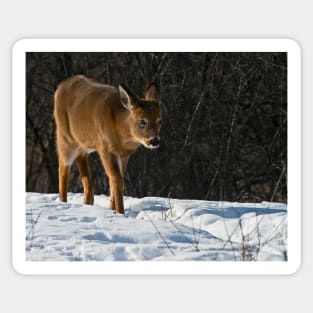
145 115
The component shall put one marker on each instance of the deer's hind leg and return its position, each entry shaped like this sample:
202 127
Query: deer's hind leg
84 170
64 171
66 155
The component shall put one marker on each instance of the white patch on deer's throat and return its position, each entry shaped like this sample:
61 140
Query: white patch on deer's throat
148 146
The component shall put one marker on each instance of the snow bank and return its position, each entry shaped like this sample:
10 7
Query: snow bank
154 229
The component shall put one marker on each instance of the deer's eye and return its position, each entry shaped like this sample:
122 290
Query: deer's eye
142 123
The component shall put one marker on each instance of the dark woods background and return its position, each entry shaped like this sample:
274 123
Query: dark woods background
224 133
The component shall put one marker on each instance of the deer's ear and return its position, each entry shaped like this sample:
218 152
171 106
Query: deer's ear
151 91
127 97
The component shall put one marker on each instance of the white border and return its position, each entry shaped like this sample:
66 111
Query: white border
157 45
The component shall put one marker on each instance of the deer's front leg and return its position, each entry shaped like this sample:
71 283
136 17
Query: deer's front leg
117 190
112 169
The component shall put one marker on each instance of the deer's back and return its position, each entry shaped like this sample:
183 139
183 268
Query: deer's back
83 108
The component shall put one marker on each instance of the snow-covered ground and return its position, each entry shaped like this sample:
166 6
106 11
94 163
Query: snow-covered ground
153 229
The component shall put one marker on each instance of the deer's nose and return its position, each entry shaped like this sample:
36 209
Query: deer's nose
155 142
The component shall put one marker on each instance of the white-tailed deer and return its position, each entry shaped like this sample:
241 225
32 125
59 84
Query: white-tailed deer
112 121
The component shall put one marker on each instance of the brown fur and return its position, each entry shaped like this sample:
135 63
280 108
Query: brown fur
95 117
